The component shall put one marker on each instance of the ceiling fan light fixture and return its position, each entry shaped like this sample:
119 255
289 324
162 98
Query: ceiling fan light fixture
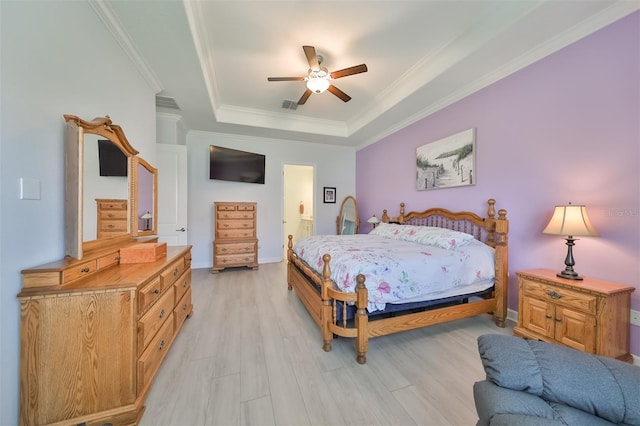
318 80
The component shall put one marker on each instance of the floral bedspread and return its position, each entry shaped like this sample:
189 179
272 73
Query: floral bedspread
398 270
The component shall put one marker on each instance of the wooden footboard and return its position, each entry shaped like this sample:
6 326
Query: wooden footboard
323 304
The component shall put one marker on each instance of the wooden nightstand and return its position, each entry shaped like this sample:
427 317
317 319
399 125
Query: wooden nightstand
589 315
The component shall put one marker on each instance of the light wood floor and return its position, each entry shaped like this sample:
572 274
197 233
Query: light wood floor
252 355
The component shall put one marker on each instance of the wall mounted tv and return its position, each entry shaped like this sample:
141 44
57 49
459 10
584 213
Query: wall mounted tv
112 161
234 165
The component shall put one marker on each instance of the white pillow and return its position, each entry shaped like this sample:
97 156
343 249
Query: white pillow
425 235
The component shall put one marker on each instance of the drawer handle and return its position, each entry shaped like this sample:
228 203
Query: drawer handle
245 225
548 316
186 283
110 215
175 272
162 345
554 295
225 225
156 291
224 249
85 269
162 313
184 307
110 226
558 319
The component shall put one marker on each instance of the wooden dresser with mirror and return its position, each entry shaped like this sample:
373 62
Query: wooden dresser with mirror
94 331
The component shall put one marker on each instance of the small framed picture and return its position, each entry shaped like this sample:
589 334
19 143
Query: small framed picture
329 195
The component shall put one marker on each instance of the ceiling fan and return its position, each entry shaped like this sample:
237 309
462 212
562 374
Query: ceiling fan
319 78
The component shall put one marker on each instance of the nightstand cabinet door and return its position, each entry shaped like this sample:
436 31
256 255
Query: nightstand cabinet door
575 329
538 316
589 315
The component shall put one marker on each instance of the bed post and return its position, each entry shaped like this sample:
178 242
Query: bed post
491 225
502 271
326 315
289 253
362 320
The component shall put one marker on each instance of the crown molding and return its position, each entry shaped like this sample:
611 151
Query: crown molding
113 24
594 23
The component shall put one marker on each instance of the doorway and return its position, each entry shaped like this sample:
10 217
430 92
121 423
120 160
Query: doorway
298 203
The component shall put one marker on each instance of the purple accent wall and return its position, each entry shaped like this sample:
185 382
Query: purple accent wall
566 128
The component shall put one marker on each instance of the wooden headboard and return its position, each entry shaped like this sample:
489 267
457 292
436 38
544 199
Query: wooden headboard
486 229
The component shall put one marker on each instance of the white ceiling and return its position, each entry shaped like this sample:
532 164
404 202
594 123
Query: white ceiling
214 57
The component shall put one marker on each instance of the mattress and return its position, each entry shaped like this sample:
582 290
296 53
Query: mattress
401 269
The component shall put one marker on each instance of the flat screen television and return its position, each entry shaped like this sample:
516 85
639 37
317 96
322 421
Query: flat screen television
112 161
236 166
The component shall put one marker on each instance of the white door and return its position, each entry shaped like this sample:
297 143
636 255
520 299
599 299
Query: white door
172 194
298 202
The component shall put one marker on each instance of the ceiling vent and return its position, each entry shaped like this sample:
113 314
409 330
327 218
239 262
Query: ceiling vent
288 104
166 102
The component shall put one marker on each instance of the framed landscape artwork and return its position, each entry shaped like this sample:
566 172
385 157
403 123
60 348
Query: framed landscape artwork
447 162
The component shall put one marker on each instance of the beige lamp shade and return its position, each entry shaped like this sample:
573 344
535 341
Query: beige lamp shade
147 215
373 220
571 220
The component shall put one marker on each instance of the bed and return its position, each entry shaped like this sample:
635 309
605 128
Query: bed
357 300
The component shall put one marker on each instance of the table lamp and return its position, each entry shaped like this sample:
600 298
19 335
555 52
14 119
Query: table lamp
147 217
373 220
570 220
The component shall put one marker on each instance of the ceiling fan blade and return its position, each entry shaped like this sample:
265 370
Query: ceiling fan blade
349 71
304 97
312 57
339 93
285 78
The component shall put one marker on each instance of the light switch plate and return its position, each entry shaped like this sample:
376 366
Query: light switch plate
29 189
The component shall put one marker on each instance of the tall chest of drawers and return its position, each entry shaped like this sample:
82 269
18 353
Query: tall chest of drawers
93 334
112 217
235 242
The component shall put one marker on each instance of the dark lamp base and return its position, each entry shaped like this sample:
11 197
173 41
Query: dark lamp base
570 275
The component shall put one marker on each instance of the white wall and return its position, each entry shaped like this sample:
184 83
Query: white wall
57 58
334 167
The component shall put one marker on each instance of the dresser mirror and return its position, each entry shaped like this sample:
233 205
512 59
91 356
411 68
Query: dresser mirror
91 174
348 221
144 206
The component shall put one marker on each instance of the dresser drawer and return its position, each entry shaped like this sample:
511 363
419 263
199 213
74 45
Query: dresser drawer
182 309
235 215
151 322
112 205
114 225
111 259
106 214
235 233
236 248
149 294
183 284
222 225
151 358
172 273
561 296
231 260
79 271
226 207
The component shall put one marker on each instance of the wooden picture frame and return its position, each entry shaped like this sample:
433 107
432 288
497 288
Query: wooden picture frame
329 194
447 162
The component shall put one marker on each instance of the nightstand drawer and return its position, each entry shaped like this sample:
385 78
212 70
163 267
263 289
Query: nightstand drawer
561 296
